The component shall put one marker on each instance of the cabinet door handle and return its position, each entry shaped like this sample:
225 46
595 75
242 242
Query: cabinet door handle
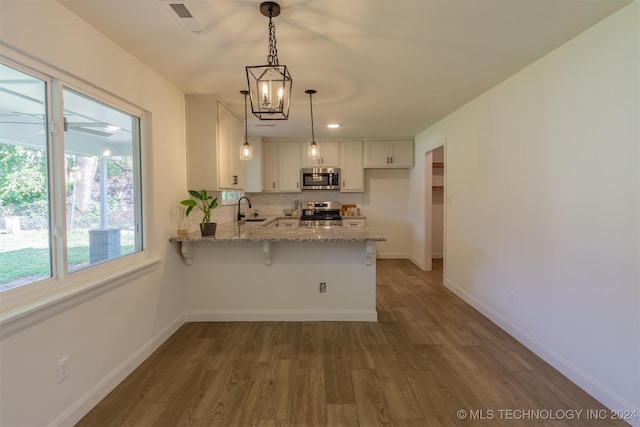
390 159
297 185
387 160
235 179
273 184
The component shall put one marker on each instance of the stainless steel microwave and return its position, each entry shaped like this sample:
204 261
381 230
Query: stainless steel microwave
320 178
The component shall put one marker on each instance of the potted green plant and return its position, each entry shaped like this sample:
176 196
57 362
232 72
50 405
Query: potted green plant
206 205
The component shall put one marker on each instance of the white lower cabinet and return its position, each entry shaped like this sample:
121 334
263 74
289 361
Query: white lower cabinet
353 223
288 223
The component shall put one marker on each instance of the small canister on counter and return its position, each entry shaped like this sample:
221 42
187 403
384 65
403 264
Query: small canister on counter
346 209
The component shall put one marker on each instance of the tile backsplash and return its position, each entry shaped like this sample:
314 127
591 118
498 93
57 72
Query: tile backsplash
266 204
273 203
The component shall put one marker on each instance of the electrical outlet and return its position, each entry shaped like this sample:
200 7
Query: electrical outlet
63 368
512 297
323 287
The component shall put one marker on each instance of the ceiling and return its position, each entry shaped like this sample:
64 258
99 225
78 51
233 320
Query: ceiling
382 69
90 126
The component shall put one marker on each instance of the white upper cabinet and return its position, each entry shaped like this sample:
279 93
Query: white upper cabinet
230 140
388 154
281 166
270 167
351 170
289 166
329 154
214 137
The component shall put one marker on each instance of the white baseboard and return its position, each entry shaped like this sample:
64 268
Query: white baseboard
417 262
582 379
82 406
391 255
282 316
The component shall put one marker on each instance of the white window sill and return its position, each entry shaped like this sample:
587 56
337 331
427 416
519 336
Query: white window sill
24 311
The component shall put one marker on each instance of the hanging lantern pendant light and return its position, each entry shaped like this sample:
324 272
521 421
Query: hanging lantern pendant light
270 85
314 151
245 151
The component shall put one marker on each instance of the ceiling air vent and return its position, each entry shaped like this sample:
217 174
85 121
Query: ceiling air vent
180 11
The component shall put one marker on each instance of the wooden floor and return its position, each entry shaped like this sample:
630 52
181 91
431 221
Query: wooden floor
428 357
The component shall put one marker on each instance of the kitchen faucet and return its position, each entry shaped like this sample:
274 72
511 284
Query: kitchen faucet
240 214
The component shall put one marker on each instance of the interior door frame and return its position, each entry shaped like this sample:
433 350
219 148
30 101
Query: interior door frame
428 208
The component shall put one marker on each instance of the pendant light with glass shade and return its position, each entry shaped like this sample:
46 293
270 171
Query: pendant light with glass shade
313 152
245 151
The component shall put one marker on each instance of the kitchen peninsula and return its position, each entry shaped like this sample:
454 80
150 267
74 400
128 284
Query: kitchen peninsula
265 272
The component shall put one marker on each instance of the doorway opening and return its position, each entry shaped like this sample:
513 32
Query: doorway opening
434 206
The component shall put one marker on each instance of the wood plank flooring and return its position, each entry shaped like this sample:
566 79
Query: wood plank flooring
429 356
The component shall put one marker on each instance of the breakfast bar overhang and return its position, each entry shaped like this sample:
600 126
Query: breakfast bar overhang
274 274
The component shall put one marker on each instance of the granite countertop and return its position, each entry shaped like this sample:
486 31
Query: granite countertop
260 231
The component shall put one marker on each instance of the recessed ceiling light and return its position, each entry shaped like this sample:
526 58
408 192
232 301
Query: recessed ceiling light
333 125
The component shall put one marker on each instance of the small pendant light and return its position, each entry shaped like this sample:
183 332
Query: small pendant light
245 152
314 150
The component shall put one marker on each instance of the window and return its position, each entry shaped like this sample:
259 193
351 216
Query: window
25 243
229 197
100 166
92 185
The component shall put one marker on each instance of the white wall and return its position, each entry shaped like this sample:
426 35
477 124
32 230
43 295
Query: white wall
543 188
108 334
385 206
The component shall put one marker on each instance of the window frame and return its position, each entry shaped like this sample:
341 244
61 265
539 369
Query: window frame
54 249
21 305
231 201
115 103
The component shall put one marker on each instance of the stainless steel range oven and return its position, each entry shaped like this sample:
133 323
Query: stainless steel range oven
321 214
